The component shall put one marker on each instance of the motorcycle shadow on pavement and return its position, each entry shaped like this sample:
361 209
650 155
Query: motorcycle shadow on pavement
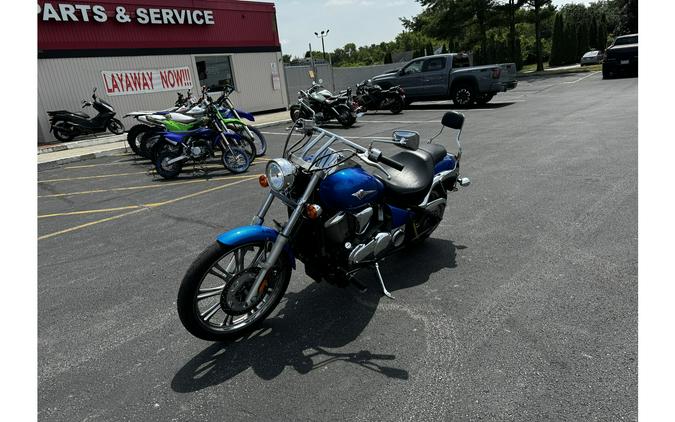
313 320
449 106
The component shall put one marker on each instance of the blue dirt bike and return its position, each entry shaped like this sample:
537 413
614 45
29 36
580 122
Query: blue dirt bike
342 219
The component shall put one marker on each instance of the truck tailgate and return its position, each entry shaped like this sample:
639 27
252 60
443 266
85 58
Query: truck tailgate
508 75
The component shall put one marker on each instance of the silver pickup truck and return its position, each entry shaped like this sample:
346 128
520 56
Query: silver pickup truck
450 76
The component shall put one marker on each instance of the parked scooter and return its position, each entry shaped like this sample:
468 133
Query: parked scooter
371 96
342 220
322 106
66 125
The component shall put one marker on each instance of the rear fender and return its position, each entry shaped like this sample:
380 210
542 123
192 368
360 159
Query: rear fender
247 234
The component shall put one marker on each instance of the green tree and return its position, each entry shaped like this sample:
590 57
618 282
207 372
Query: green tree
387 58
557 41
593 34
582 39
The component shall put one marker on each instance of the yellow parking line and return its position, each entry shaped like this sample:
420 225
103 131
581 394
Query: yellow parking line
61 214
81 226
100 176
149 205
139 209
155 185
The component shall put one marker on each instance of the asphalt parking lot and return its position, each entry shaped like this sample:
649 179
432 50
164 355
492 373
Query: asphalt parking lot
521 306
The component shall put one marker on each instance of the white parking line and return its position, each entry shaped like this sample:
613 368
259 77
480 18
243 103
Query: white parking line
351 137
581 79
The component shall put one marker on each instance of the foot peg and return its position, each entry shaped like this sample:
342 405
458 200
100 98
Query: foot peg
379 276
464 182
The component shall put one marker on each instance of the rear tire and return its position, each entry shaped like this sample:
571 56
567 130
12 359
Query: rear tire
148 141
483 99
398 106
168 171
463 95
295 112
134 137
63 132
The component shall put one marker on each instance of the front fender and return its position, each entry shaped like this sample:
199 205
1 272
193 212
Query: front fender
246 234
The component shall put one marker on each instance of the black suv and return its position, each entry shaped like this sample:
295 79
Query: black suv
621 56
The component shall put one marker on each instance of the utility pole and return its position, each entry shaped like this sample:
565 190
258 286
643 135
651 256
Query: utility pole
322 36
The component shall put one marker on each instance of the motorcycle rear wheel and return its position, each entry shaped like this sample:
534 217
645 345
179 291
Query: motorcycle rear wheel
217 277
397 106
134 137
63 132
168 171
148 141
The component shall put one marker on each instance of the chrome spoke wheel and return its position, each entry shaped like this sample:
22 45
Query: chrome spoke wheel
219 299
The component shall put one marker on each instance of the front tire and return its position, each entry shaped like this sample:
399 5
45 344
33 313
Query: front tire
203 291
236 160
115 126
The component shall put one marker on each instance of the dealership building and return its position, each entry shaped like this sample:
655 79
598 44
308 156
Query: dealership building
140 54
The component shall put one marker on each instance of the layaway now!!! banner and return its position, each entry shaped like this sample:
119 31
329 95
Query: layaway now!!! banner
127 82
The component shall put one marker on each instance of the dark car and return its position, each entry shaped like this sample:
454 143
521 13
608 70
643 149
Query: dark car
621 57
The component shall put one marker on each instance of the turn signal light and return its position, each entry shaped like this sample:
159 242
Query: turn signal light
313 211
263 181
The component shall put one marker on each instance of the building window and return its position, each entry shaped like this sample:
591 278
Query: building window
215 72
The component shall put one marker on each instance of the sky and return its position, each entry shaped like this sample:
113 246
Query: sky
362 22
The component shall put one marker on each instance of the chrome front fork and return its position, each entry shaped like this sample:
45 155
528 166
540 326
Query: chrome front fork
283 237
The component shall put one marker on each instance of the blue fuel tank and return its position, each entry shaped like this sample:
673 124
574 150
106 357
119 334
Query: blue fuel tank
349 189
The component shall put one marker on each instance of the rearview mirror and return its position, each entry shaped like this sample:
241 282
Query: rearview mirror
407 139
453 119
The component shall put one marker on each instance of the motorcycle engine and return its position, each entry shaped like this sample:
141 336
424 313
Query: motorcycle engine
200 149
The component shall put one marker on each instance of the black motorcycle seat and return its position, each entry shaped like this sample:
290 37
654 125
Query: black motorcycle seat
53 113
437 152
408 187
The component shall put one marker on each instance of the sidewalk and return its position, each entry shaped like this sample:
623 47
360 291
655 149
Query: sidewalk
51 155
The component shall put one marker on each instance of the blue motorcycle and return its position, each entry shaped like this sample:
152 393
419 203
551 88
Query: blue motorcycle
342 220
174 149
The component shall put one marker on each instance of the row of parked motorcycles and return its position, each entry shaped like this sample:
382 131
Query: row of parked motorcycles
322 106
193 131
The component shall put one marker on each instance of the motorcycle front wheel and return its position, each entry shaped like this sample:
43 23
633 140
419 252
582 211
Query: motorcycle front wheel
211 296
236 159
116 127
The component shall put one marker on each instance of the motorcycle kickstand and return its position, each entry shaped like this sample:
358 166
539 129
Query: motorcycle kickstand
379 276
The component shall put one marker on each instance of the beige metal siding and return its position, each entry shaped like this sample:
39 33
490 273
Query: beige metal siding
64 83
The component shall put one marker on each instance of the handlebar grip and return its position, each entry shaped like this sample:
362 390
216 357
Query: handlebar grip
391 163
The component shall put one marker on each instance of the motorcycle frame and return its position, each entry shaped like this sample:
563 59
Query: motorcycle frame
283 238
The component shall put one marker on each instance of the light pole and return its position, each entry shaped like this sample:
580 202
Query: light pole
323 35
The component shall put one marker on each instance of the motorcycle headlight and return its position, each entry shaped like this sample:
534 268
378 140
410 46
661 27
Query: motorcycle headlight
280 174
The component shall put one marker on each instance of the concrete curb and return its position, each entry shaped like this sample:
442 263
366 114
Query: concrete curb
272 123
82 143
103 141
88 156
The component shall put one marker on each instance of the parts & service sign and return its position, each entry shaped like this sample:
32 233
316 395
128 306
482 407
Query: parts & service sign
127 82
71 12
